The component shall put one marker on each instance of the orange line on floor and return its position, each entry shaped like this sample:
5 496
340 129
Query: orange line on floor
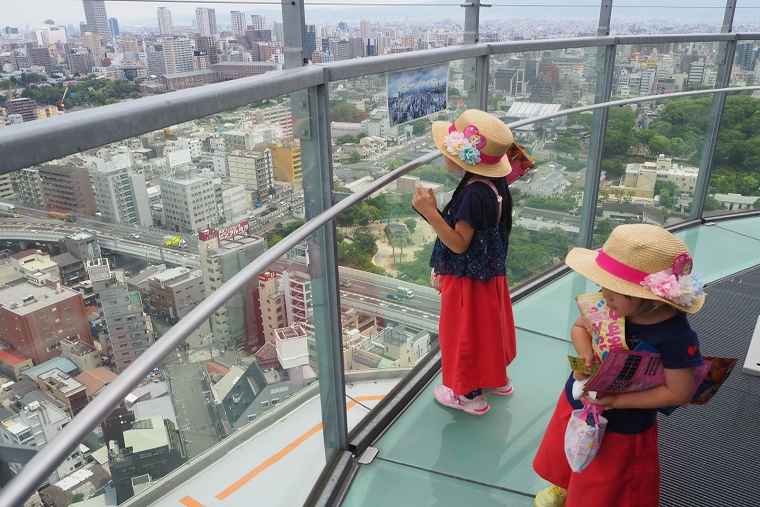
292 446
189 501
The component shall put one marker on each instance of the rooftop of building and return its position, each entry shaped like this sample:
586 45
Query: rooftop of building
147 434
173 274
96 379
12 358
62 382
23 298
146 274
66 259
62 364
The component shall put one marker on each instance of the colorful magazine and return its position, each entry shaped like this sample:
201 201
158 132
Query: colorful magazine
633 371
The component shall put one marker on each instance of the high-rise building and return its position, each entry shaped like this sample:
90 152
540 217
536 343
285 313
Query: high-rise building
165 26
67 188
223 254
97 19
6 186
113 26
175 292
234 202
95 44
36 315
237 20
126 323
189 202
310 44
280 116
27 185
41 57
208 44
286 160
696 74
170 55
297 289
258 22
205 20
364 30
23 106
252 169
121 194
745 55
78 59
272 303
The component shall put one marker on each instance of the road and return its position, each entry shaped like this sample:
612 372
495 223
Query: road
366 292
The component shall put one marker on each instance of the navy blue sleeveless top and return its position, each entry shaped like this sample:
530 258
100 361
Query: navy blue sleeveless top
476 203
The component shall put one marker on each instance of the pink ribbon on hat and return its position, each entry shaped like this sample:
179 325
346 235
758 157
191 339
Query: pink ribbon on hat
619 269
484 157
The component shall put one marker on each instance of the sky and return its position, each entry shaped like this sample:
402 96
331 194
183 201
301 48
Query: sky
34 12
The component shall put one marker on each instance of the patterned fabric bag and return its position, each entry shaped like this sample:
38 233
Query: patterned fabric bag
583 436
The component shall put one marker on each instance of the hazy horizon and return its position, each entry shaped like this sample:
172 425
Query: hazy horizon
65 12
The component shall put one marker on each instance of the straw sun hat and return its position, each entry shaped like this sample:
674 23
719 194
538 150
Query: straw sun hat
477 142
643 261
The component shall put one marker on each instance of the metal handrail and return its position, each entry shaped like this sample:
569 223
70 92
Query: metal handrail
50 456
75 132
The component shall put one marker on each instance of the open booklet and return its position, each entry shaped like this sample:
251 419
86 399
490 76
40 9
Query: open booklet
627 371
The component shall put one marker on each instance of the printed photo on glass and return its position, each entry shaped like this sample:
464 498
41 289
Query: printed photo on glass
417 93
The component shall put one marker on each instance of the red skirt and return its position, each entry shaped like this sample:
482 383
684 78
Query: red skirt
476 333
625 473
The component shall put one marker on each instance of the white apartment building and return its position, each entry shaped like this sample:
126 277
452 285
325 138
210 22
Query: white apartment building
189 202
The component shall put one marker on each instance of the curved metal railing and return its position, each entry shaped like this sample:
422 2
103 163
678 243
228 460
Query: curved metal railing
40 467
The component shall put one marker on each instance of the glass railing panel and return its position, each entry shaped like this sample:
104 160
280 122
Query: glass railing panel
745 18
372 135
650 163
548 201
638 17
557 79
140 50
651 69
505 21
735 177
111 247
347 30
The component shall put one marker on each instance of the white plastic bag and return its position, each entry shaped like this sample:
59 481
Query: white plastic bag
583 436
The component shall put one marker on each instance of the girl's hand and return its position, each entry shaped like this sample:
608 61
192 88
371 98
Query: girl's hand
607 402
424 202
435 281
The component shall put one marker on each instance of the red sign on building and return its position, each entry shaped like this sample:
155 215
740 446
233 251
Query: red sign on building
229 232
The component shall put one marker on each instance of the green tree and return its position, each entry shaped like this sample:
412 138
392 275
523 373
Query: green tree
420 127
418 270
354 158
411 224
668 191
343 111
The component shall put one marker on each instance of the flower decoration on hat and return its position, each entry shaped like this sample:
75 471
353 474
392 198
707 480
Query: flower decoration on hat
465 145
677 284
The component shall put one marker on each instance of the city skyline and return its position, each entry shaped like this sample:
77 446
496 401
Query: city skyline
144 13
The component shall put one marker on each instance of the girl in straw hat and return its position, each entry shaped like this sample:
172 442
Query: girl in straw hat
645 275
476 328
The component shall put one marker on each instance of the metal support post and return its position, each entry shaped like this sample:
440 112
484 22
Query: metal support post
322 262
471 22
726 64
294 32
606 67
477 70
482 78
